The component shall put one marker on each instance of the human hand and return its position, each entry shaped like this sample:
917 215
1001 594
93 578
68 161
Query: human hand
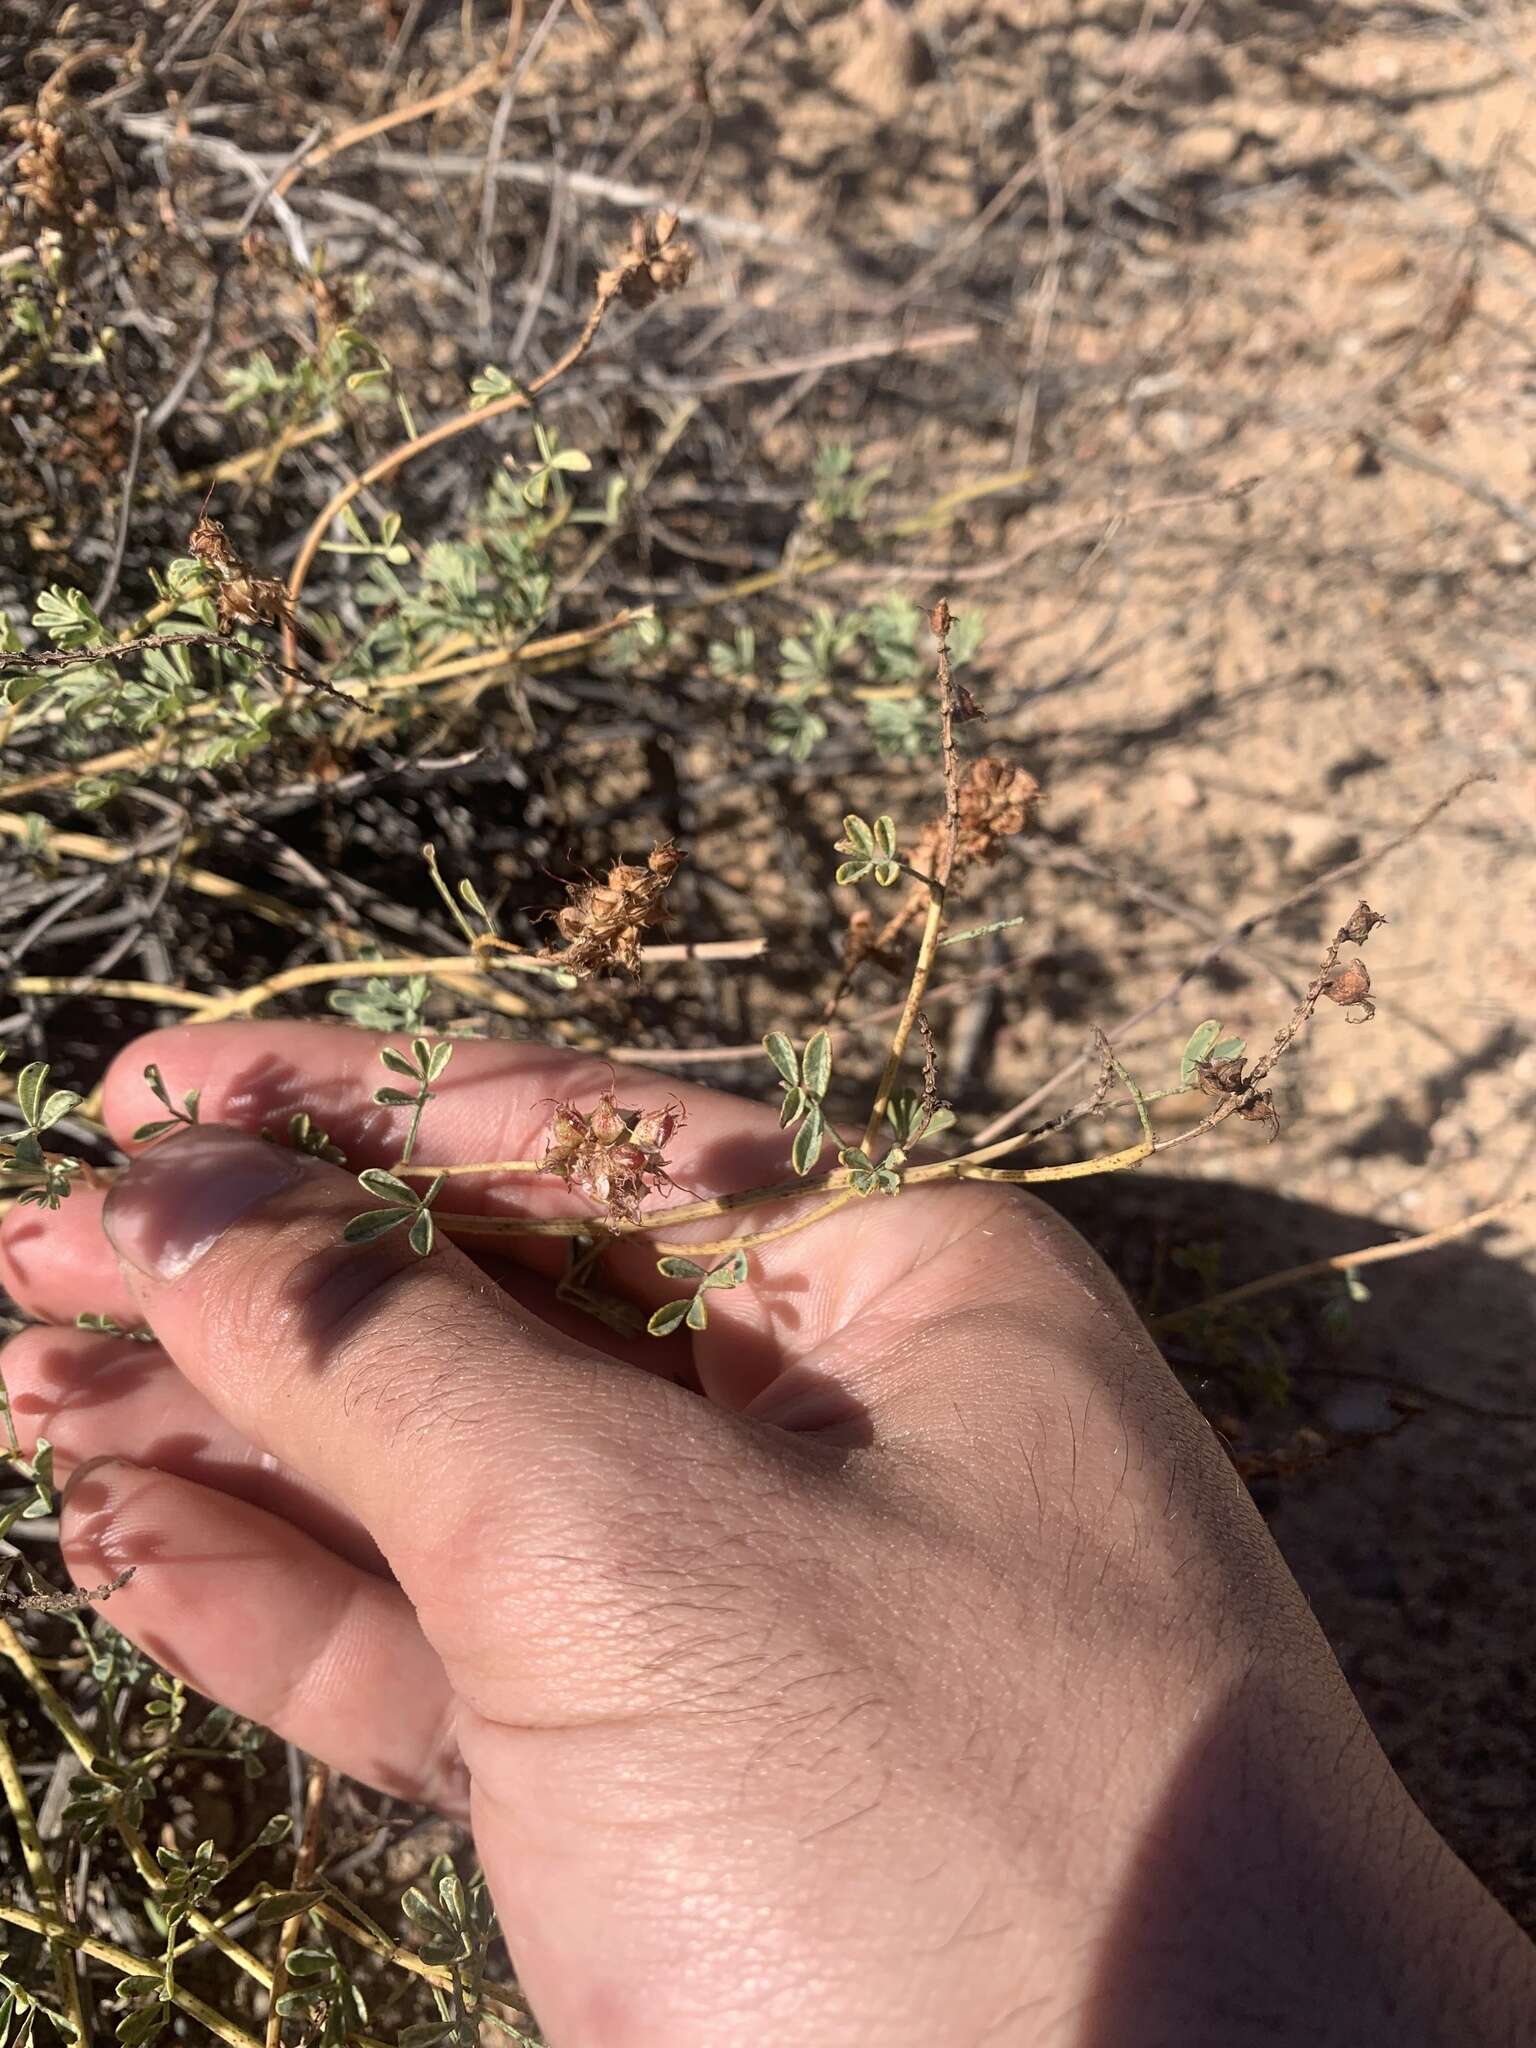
900 1660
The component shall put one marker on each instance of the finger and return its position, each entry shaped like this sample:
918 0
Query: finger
56 1265
263 1619
411 1389
59 1265
95 1397
494 1101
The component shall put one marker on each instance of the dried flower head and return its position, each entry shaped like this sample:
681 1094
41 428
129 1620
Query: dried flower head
1347 983
49 178
656 262
613 1157
1221 1077
996 798
603 923
243 597
1260 1109
1363 922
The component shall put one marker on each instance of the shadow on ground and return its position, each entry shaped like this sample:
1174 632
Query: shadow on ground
1413 1546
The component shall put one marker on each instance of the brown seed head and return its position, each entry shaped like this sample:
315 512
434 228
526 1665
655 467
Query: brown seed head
656 262
996 798
1220 1077
1362 924
243 597
1348 982
603 923
612 1156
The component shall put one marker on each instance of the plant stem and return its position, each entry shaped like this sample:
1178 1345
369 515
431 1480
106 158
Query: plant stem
446 430
315 1794
43 1887
54 1707
130 1965
1343 1262
938 883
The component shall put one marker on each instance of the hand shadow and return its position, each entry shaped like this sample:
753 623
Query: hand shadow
1410 1534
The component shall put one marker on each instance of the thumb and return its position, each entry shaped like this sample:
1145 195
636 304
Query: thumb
408 1388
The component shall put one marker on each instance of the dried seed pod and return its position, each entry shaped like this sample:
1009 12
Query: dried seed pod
995 802
1220 1077
657 261
1260 1109
1348 982
614 1158
242 597
603 923
1362 924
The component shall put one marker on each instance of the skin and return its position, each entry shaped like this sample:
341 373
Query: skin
899 1660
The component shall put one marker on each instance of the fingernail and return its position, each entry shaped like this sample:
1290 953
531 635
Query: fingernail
175 1202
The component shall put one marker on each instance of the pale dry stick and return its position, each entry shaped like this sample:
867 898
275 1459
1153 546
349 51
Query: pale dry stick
1474 486
202 881
44 1890
591 185
939 513
1241 930
575 641
1046 852
127 1964
58 1712
1102 530
268 192
212 1009
554 227
750 1240
107 985
1343 1262
638 484
475 82
315 1794
1050 284
107 588
874 350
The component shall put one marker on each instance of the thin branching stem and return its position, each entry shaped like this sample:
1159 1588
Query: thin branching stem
129 1965
44 1889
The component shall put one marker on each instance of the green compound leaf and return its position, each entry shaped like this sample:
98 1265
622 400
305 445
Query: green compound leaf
1201 1039
730 1273
809 1140
374 1223
783 1055
675 1268
818 1066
